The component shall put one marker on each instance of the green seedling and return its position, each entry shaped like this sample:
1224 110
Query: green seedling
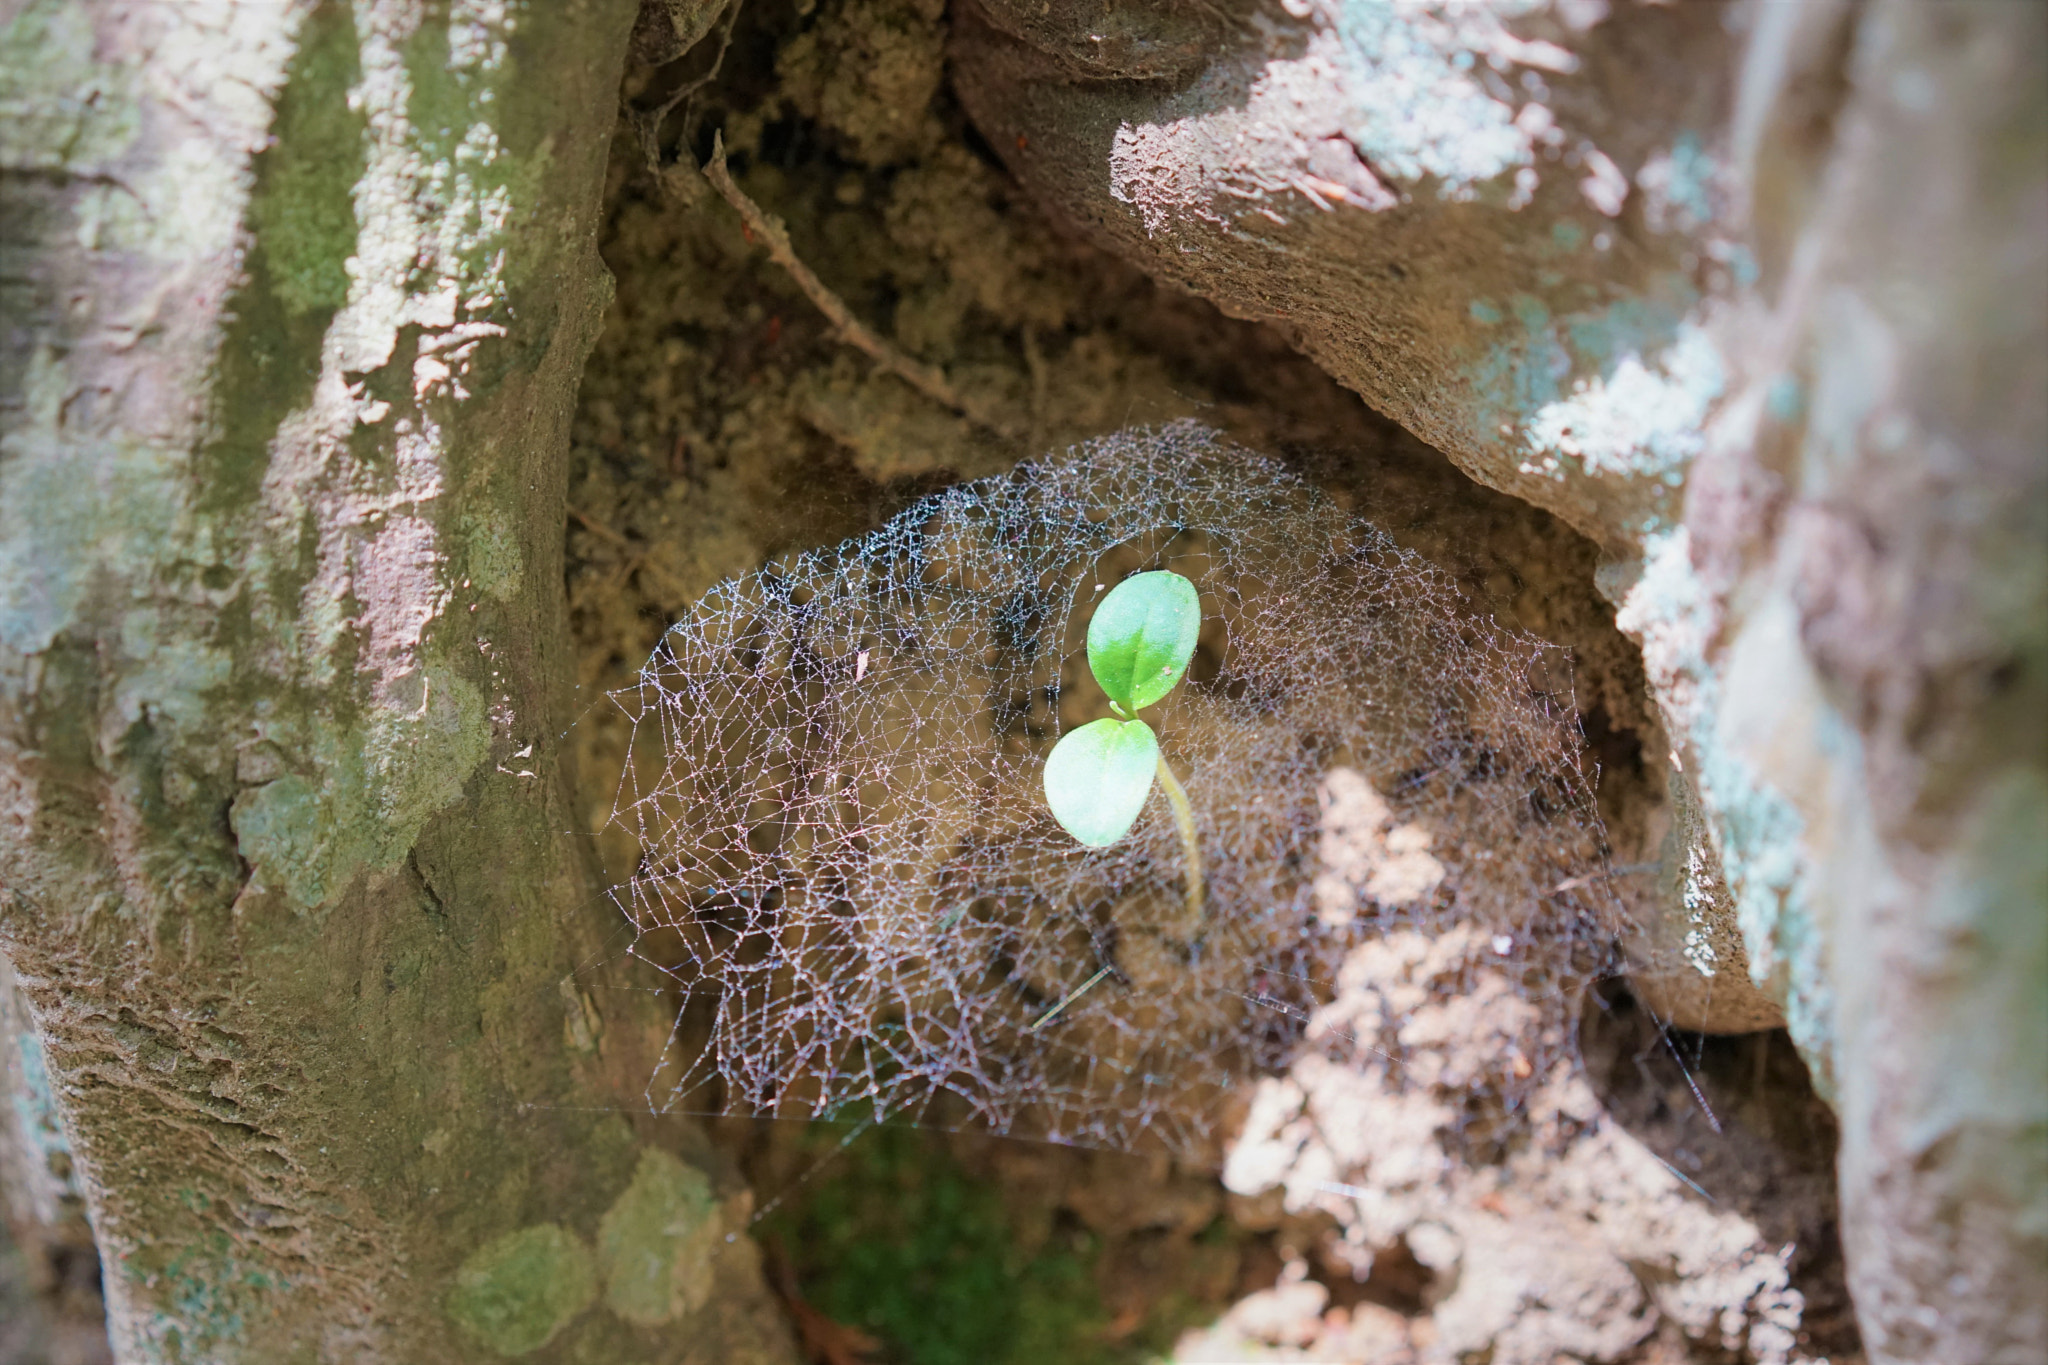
1099 777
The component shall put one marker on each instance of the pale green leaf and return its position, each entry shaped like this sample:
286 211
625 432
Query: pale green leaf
1097 778
1142 636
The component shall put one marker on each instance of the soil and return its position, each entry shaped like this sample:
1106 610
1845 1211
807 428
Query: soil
1739 1118
722 425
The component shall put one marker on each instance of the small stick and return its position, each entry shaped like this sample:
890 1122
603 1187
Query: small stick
1069 999
633 559
928 380
650 121
1034 360
600 530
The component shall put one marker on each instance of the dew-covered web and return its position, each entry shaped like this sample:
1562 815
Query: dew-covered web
849 870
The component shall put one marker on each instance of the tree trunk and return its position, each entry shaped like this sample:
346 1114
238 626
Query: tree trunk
1756 296
296 300
1873 546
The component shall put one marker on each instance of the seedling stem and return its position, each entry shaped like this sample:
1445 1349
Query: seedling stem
1184 816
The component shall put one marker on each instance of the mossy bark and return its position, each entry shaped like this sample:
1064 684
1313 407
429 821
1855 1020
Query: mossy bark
297 303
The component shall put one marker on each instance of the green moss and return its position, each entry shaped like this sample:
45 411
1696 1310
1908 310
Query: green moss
374 788
302 231
207 1294
479 163
655 1243
897 1240
494 561
302 211
515 1292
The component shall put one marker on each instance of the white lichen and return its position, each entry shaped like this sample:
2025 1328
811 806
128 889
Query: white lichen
1373 100
1641 420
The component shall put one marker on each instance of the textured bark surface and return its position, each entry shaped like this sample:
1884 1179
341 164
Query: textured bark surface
1364 176
1867 533
1430 200
296 300
1754 295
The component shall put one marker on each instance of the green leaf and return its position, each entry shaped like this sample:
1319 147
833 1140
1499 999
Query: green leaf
1142 637
1097 778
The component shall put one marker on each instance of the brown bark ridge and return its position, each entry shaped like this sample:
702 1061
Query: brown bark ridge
295 304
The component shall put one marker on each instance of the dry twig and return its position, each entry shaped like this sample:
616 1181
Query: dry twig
648 122
600 530
928 380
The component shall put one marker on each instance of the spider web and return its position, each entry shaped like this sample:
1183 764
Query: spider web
849 871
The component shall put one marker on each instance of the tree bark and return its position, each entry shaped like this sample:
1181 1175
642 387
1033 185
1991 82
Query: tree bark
1756 295
1870 527
296 301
